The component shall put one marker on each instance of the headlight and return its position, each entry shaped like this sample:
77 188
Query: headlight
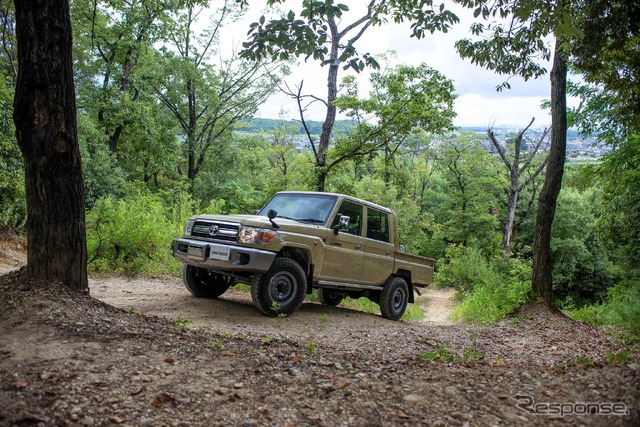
188 227
256 235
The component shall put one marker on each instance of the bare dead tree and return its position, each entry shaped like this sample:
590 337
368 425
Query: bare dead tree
516 169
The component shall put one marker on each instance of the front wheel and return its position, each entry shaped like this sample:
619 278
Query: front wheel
330 297
204 284
281 290
394 298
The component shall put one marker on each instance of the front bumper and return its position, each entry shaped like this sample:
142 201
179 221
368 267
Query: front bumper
220 256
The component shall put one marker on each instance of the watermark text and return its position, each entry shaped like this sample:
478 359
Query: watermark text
528 404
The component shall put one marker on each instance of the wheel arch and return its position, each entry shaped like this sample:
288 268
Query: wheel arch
301 256
406 275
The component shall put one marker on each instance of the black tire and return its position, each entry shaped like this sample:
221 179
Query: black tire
330 297
204 284
281 290
394 298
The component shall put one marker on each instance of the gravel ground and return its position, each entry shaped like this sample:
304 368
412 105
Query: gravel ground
145 352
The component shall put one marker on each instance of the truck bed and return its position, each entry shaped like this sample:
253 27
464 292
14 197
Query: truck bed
421 267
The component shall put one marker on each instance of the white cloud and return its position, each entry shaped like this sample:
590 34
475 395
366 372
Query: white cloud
478 103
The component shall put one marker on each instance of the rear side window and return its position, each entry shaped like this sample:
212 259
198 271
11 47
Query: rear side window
377 225
354 212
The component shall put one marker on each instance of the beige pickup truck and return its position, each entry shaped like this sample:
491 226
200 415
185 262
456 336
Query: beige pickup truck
300 241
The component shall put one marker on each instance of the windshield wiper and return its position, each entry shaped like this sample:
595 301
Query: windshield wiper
282 216
313 220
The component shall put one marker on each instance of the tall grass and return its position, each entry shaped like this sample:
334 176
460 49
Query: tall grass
620 307
132 235
489 289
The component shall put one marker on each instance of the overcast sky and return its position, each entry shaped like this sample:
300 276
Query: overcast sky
478 103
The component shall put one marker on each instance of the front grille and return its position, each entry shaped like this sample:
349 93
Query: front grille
216 230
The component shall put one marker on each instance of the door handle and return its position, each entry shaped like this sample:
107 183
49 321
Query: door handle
335 243
388 253
358 247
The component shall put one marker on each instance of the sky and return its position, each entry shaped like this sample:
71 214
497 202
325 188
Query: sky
478 103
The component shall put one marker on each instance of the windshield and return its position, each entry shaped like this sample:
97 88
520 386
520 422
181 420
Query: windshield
314 208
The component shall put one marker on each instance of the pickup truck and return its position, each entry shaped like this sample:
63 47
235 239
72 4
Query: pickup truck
300 241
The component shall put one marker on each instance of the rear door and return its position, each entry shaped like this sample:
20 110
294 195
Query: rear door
379 249
344 252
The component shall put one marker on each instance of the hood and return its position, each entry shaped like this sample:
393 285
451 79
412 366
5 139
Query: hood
263 222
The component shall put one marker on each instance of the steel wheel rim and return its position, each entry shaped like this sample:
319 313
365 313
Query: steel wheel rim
282 288
398 299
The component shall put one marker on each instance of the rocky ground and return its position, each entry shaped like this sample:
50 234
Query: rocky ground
144 352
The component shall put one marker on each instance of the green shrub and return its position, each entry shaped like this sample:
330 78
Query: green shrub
621 307
462 268
132 235
489 289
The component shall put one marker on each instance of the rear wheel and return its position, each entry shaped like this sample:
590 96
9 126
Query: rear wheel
204 284
330 297
394 298
281 290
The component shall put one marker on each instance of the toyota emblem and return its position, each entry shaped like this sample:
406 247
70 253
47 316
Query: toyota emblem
213 230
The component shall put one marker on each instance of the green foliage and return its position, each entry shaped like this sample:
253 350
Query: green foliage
132 235
183 322
462 268
582 269
620 307
469 192
413 313
490 289
102 176
442 353
361 304
619 211
13 206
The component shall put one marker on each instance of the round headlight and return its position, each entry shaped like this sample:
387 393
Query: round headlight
248 235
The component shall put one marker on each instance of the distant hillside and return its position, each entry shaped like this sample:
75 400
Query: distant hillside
258 125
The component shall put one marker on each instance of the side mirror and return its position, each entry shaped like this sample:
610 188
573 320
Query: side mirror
272 213
343 224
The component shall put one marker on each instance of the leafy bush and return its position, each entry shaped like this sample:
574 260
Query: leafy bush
621 307
13 206
462 268
132 235
489 289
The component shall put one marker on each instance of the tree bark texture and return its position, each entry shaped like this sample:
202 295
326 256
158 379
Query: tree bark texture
45 120
542 263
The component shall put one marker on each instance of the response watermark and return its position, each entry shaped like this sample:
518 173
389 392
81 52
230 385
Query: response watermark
528 404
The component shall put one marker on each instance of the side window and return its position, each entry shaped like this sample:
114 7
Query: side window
354 212
377 225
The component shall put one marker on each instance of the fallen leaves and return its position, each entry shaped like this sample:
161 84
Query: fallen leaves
162 398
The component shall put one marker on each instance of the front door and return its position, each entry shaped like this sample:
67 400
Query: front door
344 252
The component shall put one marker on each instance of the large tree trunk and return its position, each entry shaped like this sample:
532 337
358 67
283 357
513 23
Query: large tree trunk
45 119
542 266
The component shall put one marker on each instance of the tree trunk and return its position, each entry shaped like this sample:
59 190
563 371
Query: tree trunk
45 119
511 217
542 265
330 118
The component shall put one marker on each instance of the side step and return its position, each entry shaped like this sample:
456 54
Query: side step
345 286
